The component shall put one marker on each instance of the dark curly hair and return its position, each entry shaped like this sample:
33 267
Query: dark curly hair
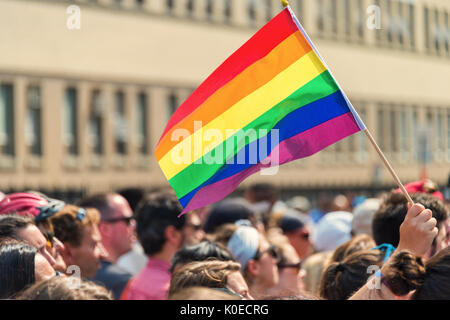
387 220
431 280
154 214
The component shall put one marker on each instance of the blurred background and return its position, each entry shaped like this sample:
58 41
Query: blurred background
86 91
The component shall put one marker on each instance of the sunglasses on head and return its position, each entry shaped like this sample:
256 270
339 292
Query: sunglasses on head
127 220
272 250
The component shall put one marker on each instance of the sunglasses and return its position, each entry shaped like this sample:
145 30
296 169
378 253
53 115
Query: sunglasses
304 235
272 250
127 220
196 227
297 265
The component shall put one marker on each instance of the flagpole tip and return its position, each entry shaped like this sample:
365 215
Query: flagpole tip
285 3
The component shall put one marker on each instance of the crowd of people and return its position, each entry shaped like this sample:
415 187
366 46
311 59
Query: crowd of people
134 245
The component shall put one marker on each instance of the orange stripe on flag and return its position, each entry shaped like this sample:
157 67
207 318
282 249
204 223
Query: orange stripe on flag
255 76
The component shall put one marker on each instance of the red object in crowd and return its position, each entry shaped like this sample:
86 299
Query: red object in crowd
424 186
22 203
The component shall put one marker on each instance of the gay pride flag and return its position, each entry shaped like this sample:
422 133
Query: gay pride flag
271 102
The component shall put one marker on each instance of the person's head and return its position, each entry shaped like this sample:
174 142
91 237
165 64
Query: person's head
430 280
363 216
294 227
228 211
64 288
204 293
133 196
341 203
117 226
289 265
357 243
262 192
257 257
212 274
193 232
199 252
387 220
332 231
40 208
341 279
22 228
77 228
20 266
159 229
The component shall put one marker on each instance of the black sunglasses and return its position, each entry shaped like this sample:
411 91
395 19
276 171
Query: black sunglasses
127 220
272 250
297 265
196 227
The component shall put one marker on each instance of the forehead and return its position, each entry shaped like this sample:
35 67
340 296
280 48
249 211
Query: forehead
91 234
120 205
32 235
193 218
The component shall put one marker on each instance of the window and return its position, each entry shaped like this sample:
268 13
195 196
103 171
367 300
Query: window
380 126
227 9
347 16
411 25
448 135
403 130
33 126
70 121
333 16
361 151
361 19
439 135
209 9
170 5
190 7
320 16
141 125
7 119
392 136
427 28
437 31
415 134
172 104
95 128
120 123
447 38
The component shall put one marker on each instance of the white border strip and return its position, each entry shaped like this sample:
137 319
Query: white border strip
359 121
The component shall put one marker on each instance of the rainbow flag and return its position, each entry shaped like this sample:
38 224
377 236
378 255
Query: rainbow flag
271 102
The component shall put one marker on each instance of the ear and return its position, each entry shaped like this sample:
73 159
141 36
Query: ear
253 267
173 236
67 254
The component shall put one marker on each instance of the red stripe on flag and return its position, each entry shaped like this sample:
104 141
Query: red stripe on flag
264 41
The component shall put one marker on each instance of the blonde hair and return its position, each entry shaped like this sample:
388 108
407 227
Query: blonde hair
201 293
61 288
213 274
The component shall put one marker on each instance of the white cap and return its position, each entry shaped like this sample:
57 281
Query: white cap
363 216
332 231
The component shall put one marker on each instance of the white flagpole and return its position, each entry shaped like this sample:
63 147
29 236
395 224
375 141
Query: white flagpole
359 121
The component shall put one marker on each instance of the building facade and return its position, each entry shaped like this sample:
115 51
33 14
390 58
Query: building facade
87 86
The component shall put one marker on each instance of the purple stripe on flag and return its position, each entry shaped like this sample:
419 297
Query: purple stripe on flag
300 146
